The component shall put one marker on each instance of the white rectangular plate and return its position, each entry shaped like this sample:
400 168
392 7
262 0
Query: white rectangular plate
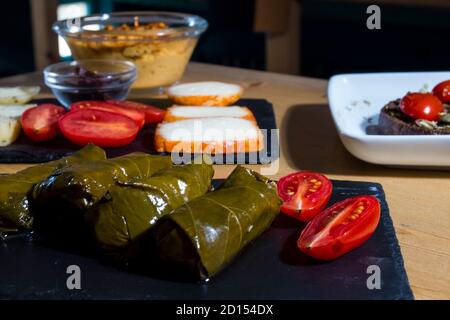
355 102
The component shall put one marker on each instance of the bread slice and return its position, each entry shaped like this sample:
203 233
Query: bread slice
207 93
176 113
392 121
209 135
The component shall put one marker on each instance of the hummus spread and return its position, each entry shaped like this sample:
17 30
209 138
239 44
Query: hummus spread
159 55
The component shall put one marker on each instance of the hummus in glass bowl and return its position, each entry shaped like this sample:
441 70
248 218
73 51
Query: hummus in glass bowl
160 44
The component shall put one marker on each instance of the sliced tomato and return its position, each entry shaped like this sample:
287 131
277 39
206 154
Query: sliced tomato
137 116
40 123
442 91
422 106
152 114
102 128
341 228
304 194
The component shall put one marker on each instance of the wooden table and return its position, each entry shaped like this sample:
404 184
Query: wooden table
419 201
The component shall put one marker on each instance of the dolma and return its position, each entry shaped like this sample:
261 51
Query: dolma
131 208
15 188
83 185
205 234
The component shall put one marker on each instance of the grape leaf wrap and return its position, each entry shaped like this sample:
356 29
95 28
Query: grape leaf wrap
205 234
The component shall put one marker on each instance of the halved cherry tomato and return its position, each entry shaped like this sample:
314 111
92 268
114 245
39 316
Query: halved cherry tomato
442 91
136 115
305 194
102 128
340 228
40 123
422 106
152 114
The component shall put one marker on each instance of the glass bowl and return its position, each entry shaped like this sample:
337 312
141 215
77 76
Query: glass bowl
90 80
160 44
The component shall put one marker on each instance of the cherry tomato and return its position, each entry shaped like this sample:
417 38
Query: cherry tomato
136 115
340 228
304 193
422 106
442 91
40 123
102 128
152 114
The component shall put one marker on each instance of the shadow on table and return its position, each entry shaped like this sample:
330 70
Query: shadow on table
312 142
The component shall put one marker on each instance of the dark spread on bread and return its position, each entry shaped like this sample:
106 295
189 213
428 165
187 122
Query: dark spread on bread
392 121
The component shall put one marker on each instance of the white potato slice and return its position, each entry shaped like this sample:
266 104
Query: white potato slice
14 111
9 131
17 95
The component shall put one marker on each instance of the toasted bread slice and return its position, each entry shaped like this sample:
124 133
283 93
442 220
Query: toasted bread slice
207 93
209 135
176 113
392 121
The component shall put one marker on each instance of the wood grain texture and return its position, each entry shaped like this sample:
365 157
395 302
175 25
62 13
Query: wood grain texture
419 200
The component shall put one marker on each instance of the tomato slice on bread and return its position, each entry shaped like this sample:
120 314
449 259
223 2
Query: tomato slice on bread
152 114
340 228
102 128
422 106
442 91
40 123
304 194
137 116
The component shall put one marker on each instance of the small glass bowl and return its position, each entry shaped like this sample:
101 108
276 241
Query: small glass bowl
160 44
90 80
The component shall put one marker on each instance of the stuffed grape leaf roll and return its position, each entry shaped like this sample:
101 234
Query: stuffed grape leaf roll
15 188
83 185
205 234
131 208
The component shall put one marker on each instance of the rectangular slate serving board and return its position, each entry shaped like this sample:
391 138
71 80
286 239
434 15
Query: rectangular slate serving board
270 268
26 151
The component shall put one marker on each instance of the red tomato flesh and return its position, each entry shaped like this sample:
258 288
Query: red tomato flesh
305 194
137 116
152 114
442 91
340 228
40 123
102 128
422 106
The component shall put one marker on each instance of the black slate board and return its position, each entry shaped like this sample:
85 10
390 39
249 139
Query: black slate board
270 268
26 151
